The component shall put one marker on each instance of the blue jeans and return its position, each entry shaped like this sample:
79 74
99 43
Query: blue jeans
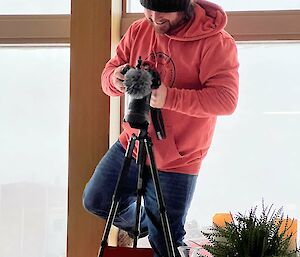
177 191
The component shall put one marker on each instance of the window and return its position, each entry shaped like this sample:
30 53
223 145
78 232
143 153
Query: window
34 7
254 153
258 5
34 150
34 105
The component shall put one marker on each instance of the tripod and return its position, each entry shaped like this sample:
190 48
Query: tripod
145 149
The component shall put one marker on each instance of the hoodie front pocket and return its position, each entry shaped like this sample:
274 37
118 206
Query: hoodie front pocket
166 150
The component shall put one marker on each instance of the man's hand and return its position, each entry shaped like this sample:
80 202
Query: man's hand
118 78
158 97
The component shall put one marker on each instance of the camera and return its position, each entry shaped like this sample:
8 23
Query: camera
139 82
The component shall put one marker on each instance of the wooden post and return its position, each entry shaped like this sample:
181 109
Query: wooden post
89 118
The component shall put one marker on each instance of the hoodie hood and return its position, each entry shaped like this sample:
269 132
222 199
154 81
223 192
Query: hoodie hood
208 20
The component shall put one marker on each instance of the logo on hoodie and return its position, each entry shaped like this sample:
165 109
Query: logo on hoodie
165 66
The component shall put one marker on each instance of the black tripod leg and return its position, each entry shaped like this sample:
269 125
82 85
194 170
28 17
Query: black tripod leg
141 158
160 200
117 194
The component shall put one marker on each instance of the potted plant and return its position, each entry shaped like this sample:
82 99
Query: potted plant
251 235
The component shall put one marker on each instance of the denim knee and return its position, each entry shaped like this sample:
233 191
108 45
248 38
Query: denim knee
87 202
98 191
91 204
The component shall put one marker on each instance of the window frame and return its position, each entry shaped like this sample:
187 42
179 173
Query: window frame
247 25
35 29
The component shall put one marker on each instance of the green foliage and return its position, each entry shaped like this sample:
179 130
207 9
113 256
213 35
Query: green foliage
251 235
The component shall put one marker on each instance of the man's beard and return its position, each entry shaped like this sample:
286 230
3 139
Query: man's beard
163 28
167 27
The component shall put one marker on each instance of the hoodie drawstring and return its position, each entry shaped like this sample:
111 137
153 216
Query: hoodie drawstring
153 42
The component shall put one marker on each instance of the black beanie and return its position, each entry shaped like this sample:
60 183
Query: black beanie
165 5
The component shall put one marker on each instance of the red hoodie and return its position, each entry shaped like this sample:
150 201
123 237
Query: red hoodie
199 66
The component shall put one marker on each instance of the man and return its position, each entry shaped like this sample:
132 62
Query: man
198 65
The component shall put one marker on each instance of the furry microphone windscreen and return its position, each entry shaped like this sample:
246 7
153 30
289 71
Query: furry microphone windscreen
138 83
